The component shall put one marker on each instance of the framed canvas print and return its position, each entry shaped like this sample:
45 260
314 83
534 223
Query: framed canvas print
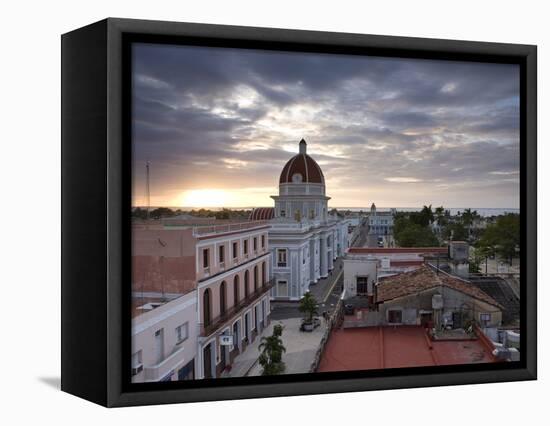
253 212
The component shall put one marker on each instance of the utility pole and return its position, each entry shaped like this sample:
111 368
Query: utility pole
147 189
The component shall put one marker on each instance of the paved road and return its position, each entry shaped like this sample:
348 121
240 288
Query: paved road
362 240
326 291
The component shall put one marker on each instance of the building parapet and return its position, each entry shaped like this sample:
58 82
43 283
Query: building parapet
203 231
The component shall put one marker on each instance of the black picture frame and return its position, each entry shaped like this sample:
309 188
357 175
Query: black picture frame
96 211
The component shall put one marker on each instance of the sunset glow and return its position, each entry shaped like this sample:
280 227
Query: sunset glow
205 197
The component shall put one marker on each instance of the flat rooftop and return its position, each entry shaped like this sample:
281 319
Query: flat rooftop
201 226
398 250
372 348
143 302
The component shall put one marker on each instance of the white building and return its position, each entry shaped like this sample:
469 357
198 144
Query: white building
363 266
304 239
164 338
380 223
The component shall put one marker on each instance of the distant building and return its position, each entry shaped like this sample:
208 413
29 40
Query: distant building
304 239
380 223
200 296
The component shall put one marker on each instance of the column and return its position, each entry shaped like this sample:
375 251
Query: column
331 250
312 257
323 256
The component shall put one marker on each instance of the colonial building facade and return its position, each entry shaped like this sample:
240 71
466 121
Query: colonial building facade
304 239
380 223
200 296
233 292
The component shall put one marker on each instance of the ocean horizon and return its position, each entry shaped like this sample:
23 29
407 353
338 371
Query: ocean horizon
482 211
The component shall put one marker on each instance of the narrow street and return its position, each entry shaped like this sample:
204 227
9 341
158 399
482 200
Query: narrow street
326 291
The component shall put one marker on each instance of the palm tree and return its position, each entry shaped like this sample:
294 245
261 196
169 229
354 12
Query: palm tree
271 357
308 306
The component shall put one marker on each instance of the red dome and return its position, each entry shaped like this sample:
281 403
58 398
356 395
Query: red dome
302 169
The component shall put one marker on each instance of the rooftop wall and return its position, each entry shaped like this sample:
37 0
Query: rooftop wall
163 260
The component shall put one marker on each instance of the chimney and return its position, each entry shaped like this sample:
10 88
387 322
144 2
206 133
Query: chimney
303 147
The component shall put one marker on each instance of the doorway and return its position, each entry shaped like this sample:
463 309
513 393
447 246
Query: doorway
426 320
236 340
223 356
247 326
207 361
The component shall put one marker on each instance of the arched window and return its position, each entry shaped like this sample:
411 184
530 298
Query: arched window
206 307
255 277
223 298
246 288
264 278
236 295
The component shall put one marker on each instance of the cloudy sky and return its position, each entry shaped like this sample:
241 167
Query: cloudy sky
217 126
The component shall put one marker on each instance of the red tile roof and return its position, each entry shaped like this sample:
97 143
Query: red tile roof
404 263
262 213
425 278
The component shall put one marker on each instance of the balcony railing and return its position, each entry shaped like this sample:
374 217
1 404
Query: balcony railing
219 321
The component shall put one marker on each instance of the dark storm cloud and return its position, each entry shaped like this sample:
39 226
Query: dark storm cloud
236 113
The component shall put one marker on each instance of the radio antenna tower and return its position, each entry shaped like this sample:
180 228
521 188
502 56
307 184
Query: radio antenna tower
148 190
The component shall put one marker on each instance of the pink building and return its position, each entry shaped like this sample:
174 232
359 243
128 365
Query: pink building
214 278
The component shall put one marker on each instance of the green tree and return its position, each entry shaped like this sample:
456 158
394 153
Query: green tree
308 306
440 216
483 253
161 212
502 237
426 216
476 256
414 235
223 214
456 231
272 349
509 243
139 213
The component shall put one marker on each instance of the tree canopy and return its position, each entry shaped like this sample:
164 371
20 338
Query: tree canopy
272 349
308 306
502 237
412 229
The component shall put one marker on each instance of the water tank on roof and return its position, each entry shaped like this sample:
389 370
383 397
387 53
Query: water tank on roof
437 301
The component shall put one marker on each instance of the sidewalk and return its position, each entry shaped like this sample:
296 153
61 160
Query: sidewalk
301 348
